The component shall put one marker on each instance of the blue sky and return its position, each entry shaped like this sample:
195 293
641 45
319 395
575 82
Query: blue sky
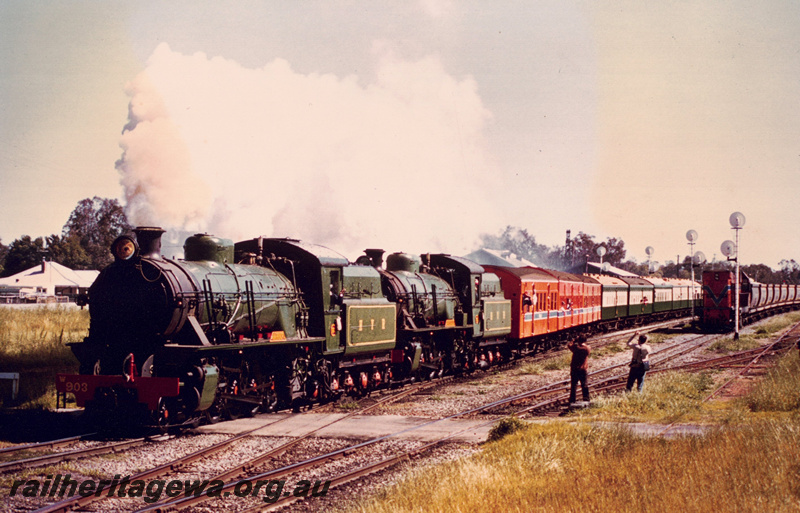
409 125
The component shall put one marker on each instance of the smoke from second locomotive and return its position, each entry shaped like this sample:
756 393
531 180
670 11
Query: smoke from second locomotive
398 161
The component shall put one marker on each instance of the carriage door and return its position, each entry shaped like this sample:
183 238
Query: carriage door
333 312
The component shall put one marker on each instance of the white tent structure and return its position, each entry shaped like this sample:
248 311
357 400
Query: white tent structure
48 280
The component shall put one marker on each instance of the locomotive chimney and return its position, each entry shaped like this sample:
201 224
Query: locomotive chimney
149 240
375 257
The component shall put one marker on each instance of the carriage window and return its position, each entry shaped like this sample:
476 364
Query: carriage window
336 289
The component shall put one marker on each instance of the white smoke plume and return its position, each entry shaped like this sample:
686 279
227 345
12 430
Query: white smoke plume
400 162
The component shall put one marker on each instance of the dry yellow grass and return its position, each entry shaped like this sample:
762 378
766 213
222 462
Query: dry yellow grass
33 331
567 467
33 343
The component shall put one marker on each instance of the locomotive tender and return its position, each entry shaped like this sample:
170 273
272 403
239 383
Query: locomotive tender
268 323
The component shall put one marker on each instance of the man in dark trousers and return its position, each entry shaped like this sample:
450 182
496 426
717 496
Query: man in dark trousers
640 361
578 367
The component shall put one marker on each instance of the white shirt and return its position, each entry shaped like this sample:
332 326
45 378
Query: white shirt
641 352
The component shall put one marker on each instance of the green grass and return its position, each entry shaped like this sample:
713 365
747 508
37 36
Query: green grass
506 427
557 362
609 349
34 344
728 344
666 397
528 368
654 338
348 404
779 390
754 337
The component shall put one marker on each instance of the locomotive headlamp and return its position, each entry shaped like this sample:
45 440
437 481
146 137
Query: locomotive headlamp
124 248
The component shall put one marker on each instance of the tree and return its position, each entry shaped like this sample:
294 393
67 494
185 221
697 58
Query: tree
96 222
573 254
585 247
68 251
790 271
762 273
23 254
3 253
642 269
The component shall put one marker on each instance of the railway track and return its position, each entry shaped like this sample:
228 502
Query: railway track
746 361
51 444
781 346
553 395
240 469
76 454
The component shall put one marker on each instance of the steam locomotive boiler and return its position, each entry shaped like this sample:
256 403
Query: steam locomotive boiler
449 308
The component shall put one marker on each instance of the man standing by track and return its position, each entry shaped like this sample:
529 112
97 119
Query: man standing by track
578 368
640 361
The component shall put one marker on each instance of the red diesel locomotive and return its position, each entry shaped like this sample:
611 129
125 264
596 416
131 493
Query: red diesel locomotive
756 300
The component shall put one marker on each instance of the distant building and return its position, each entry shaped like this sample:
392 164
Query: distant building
48 280
500 258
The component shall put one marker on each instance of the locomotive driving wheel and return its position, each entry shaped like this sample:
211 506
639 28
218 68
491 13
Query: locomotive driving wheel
216 412
298 374
161 414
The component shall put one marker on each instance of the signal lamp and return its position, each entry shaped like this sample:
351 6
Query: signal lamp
124 248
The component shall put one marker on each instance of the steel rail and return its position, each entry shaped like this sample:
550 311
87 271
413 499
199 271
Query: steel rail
617 381
75 502
607 384
71 455
69 504
780 342
347 477
52 444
